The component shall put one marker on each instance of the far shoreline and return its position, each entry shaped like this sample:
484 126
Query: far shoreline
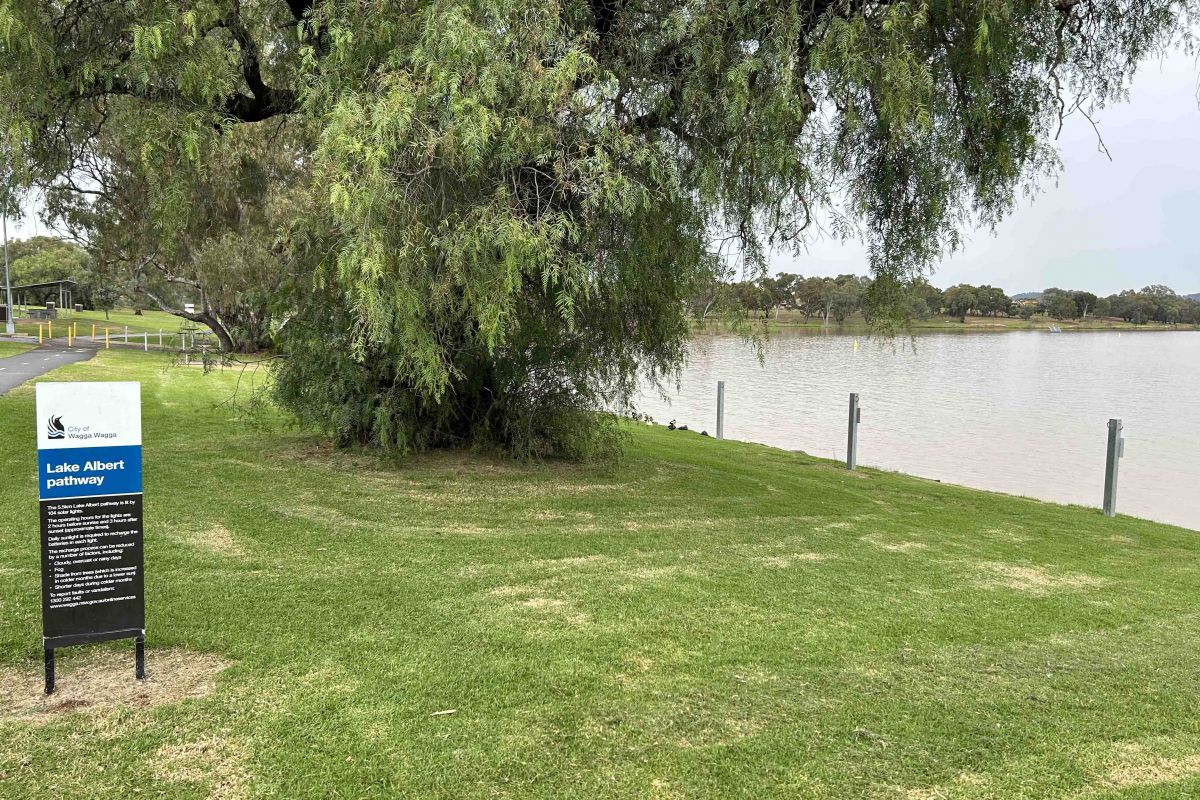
936 324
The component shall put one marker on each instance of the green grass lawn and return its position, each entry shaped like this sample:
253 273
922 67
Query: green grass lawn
709 619
12 348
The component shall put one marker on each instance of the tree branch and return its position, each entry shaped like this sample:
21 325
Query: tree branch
265 101
299 8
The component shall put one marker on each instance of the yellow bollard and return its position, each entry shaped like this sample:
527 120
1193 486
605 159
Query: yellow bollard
49 329
68 336
106 338
93 331
39 333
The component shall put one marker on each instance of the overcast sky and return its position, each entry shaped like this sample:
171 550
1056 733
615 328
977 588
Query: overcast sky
1105 226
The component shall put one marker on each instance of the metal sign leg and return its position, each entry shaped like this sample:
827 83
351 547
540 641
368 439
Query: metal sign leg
139 649
48 662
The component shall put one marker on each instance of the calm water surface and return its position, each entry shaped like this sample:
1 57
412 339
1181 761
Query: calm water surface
1019 412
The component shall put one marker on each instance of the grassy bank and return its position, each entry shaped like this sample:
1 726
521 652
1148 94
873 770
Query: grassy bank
708 619
12 348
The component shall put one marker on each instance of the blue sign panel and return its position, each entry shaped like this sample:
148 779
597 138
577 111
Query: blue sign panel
89 471
89 439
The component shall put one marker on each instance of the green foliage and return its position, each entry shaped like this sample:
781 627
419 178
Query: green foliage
1153 304
960 300
512 203
39 259
1059 304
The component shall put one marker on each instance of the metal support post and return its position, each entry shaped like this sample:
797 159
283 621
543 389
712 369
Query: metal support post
720 409
852 432
1116 449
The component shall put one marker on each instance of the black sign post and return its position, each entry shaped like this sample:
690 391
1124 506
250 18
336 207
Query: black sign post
90 485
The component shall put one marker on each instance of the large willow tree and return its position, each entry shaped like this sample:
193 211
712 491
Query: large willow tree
514 199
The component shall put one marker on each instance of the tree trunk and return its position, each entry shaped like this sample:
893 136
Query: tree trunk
209 319
206 316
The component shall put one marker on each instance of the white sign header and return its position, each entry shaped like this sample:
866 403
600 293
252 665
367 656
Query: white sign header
88 414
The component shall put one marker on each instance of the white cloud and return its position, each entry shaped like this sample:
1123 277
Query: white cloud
1105 226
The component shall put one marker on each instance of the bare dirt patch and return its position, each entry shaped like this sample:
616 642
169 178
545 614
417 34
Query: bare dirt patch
468 530
570 562
1006 535
213 761
511 591
1140 767
962 781
216 539
833 526
103 680
556 609
321 514
789 559
894 546
724 732
1035 580
659 573
902 547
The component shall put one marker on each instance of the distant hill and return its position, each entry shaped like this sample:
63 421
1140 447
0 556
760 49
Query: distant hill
1195 297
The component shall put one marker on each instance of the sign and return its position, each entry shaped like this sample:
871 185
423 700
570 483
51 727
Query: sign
90 489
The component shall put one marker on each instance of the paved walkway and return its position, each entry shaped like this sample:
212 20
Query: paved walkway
15 370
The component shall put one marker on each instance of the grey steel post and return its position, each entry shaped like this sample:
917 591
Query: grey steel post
145 340
139 657
720 409
160 338
852 432
126 339
1116 449
48 665
9 325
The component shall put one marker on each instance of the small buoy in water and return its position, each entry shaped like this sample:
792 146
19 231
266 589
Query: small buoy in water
856 345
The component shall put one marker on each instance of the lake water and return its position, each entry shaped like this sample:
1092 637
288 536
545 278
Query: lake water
1022 412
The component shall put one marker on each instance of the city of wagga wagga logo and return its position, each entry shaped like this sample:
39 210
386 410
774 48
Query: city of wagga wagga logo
56 430
71 479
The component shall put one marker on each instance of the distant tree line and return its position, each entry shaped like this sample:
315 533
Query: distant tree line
1151 304
42 259
834 300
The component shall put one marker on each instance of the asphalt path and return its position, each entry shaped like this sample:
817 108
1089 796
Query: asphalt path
15 370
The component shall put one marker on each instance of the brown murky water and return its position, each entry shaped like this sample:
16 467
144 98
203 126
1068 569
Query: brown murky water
1019 412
